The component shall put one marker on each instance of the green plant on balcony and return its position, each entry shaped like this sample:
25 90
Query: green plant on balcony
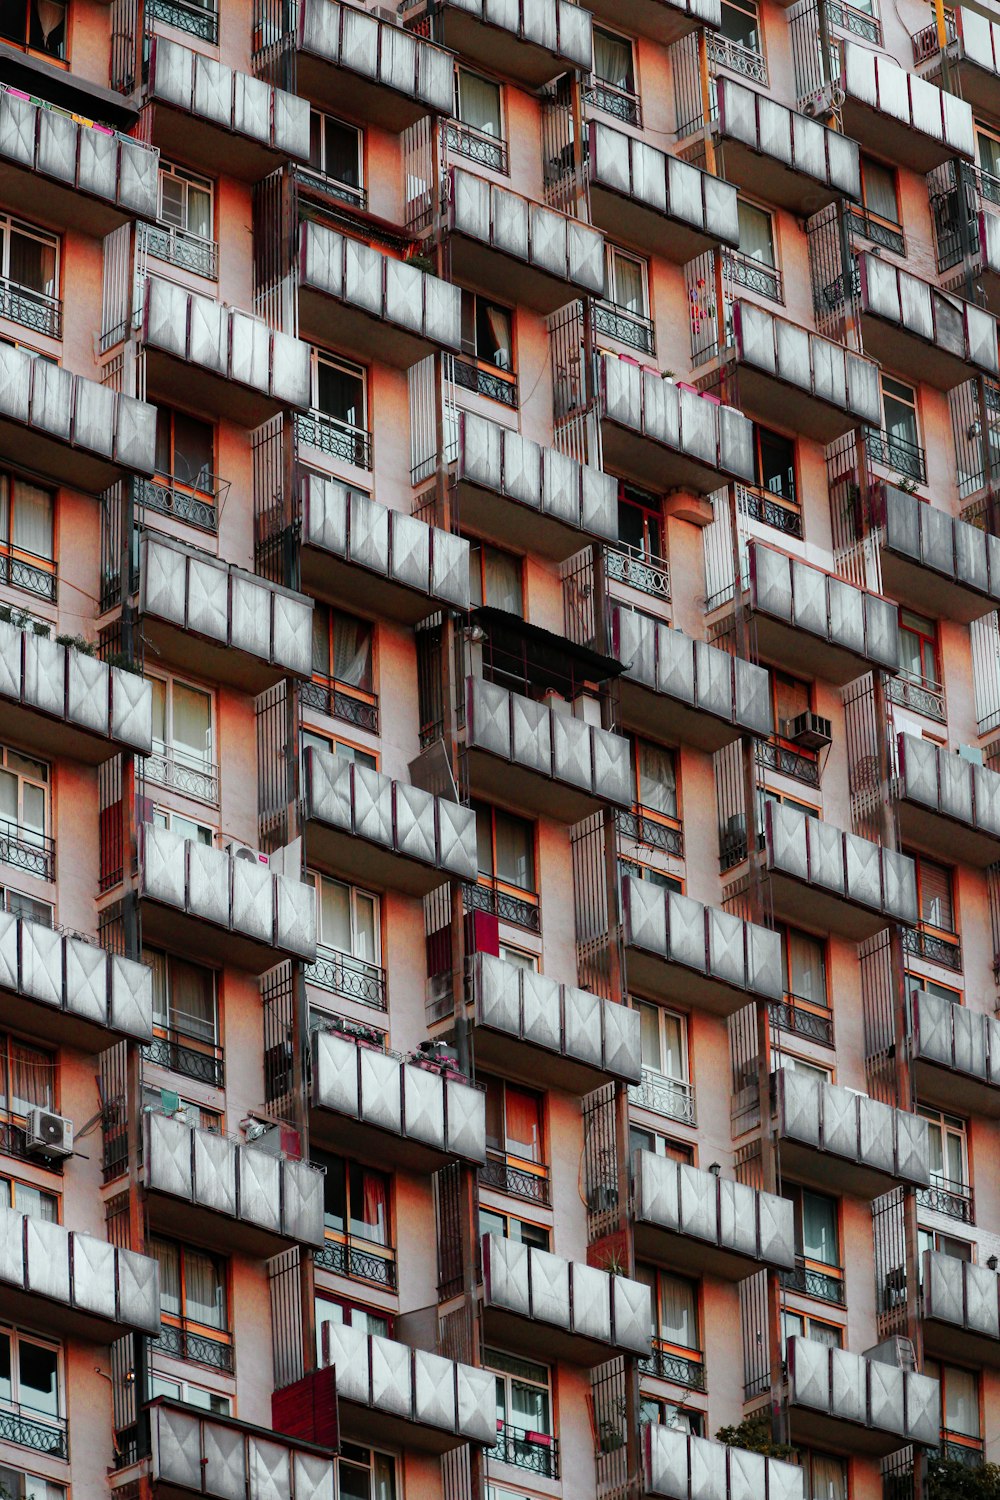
76 643
948 1479
755 1435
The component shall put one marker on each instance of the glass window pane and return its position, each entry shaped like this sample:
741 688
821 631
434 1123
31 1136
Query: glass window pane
523 1124
479 103
961 1402
204 1290
38 1378
649 1035
819 1229
515 852
756 233
192 724
335 915
678 1312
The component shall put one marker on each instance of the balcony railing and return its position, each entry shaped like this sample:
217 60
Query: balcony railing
642 827
470 376
201 21
854 22
309 179
638 569
190 252
358 1260
338 701
504 906
506 1175
352 978
627 327
164 767
785 760
171 1049
804 1019
25 849
812 1282
926 697
760 505
670 1097
485 150
181 1341
535 1452
737 58
876 231
25 570
890 451
34 310
623 104
195 507
947 1196
20 1425
679 1369
338 439
753 275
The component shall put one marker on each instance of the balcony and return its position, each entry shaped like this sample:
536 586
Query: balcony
220 1457
514 1177
528 496
657 202
70 172
218 359
390 1393
909 325
898 114
365 67
206 903
205 112
166 495
383 832
961 1310
842 1141
407 1113
667 436
676 688
534 1452
215 620
64 1282
835 881
933 562
358 552
194 1178
176 247
679 1466
386 309
536 755
545 1306
63 989
837 1399
946 804
696 955
530 42
954 1054
973 56
68 429
985 233
523 251
788 375
663 21
710 1225
785 158
659 1094
61 701
829 628
553 1035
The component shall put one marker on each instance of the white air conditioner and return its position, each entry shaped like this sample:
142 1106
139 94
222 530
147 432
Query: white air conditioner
809 730
48 1134
244 851
386 13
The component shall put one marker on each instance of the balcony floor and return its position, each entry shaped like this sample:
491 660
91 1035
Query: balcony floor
202 657
509 523
366 336
531 1064
29 447
179 382
898 349
773 181
894 140
205 1226
822 910
372 1425
27 192
667 1248
332 1131
337 581
183 135
814 1429
523 789
771 400
355 97
183 932
959 1345
535 1339
829 661
937 834
497 48
955 1091
833 1174
338 851
657 977
913 583
632 222
47 1023
653 466
474 263
665 718
33 729
48 1315
659 20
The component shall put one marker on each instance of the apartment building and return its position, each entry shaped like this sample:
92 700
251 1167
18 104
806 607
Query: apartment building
499 770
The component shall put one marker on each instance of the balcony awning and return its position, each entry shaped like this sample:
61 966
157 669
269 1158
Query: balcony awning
549 660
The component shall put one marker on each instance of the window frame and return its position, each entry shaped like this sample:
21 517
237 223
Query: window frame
356 195
181 1321
61 58
491 879
18 1336
35 563
204 767
169 1030
318 357
189 178
330 614
169 415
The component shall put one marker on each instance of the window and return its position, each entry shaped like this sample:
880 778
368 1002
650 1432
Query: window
961 1429
640 522
496 577
349 940
24 813
796 1064
950 1191
741 24
659 1145
338 1312
902 450
200 833
612 84
917 983
824 1476
185 1018
20 1486
878 192
194 1303
519 958
935 900
183 744
357 1202
185 450
774 465
20 905
338 420
664 1414
790 697
192 1395
28 1199
676 1355
478 129
27 1078
27 537
506 857
514 1141
487 341
918 650
624 313
817 1245
665 1086
38 26
342 749
524 1413
168 1102
654 780
343 663
29 265
807 997
757 246
337 150
30 1381
185 202
943 1244
633 869
364 1474
799 1325
509 1228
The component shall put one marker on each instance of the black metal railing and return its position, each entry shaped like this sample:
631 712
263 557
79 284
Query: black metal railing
947 952
798 765
639 570
179 248
536 1452
350 977
28 1429
855 22
679 1369
760 505
182 1342
897 453
14 1142
876 231
26 570
337 701
356 1259
24 849
469 376
489 151
925 697
627 327
34 310
621 103
195 507
196 20
310 179
201 782
813 1283
803 1019
748 62
956 1449
506 1176
171 1049
946 1196
641 828
670 1097
338 439
503 905
753 275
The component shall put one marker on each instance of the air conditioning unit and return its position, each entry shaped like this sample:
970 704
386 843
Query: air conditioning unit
244 851
386 13
809 730
48 1134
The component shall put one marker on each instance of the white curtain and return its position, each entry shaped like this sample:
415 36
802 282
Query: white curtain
613 60
479 103
32 521
678 1313
657 779
192 724
503 580
756 240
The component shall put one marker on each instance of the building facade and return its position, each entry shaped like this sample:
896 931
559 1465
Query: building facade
499 724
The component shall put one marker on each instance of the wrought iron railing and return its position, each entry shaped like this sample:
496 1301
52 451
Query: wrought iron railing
195 507
785 760
639 570
855 22
760 505
171 1049
813 1283
350 977
670 1097
26 570
311 179
623 104
181 1341
664 1364
35 310
639 826
745 61
506 1176
25 849
356 1259
897 453
536 1452
957 1449
753 275
933 947
337 701
485 150
503 905
627 327
876 231
803 1019
469 376
196 20
338 439
946 1196
179 248
29 1429
201 782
